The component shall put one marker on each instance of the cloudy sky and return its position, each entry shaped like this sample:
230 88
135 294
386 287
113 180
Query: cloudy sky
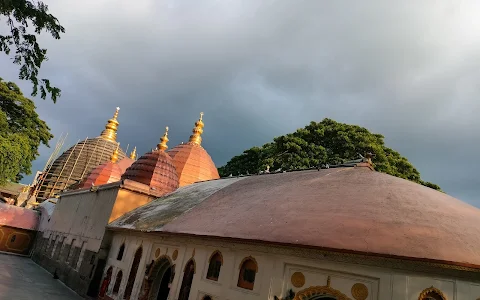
259 69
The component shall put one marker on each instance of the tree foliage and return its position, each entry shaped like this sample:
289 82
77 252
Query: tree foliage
325 142
21 133
19 14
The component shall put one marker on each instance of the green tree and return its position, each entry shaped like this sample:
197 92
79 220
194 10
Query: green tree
21 133
19 15
325 142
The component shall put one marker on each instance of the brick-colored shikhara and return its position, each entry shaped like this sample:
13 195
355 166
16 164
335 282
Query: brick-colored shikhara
155 169
191 160
193 164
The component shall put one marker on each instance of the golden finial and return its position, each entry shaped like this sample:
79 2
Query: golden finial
196 137
114 157
110 131
133 154
162 146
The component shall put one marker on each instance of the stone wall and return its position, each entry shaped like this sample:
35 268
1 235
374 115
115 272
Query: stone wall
16 240
74 266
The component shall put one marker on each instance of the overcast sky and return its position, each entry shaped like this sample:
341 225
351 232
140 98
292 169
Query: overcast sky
409 70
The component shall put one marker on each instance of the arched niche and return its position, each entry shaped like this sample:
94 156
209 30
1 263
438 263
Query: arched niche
432 293
215 263
325 292
156 283
248 270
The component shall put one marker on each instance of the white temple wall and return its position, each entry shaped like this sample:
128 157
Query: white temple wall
82 216
275 272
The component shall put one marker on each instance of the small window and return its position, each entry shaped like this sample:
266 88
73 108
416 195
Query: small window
216 261
248 270
14 237
118 281
120 252
207 298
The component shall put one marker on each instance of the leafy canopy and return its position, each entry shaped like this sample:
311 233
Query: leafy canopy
19 14
21 133
325 142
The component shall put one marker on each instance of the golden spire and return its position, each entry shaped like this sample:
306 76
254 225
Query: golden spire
133 154
114 157
162 146
110 132
196 137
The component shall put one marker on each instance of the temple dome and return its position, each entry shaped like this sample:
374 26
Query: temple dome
155 169
191 160
126 162
107 173
79 160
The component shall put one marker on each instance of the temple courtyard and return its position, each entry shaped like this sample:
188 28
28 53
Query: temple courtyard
22 279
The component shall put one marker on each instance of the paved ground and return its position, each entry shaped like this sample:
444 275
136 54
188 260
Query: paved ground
22 279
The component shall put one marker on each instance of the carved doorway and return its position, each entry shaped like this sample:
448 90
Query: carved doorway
325 292
159 279
164 289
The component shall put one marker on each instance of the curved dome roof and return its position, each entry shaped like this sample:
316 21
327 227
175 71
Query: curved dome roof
18 217
124 164
107 173
193 164
340 209
79 160
155 169
191 160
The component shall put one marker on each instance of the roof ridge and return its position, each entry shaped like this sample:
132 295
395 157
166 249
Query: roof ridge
348 164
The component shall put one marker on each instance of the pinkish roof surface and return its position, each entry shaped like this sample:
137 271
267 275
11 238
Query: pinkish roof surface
18 217
342 209
124 163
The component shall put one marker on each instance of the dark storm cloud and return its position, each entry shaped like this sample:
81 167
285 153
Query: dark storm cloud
259 69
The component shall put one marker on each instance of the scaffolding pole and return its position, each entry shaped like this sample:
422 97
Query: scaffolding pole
51 158
76 160
88 161
57 149
63 168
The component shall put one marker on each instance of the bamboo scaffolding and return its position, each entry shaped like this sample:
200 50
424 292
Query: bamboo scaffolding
57 149
88 161
63 168
76 160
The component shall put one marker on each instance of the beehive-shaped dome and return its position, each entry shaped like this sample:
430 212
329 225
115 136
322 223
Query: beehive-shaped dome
191 160
79 160
155 169
126 162
106 173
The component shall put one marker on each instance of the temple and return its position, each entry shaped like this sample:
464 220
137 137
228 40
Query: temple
76 162
165 226
191 160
